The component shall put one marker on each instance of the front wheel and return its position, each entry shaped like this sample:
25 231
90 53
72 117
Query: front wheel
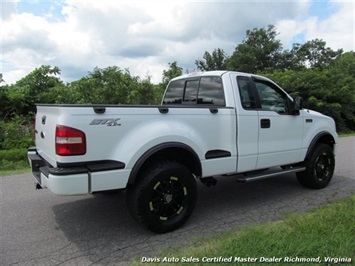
319 167
164 196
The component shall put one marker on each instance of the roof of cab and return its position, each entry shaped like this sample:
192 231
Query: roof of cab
201 74
216 73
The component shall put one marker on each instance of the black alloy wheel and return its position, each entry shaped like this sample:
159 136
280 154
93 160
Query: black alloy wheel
319 167
164 197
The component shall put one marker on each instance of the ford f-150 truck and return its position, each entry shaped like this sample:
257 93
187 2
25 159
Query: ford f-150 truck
209 124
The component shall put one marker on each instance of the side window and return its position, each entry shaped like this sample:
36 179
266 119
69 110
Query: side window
174 92
207 90
246 93
271 98
191 91
211 91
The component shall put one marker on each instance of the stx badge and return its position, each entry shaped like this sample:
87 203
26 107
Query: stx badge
111 122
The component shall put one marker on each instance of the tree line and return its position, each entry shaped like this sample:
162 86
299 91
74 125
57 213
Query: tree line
323 77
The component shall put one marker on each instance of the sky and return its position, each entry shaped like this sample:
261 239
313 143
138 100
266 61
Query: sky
145 36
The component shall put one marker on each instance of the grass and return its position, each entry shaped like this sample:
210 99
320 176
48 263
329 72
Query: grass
325 232
342 135
17 170
11 168
13 161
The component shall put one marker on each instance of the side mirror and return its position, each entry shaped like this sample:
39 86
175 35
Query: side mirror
297 105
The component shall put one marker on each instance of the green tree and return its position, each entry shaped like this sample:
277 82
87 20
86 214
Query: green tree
40 81
104 86
315 54
342 73
322 91
289 60
344 66
258 52
34 88
143 93
173 72
66 94
4 102
111 85
17 133
215 61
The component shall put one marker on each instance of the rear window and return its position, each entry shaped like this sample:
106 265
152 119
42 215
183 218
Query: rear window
206 90
191 89
211 91
175 92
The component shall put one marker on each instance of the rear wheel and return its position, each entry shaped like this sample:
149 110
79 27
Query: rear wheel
164 197
319 167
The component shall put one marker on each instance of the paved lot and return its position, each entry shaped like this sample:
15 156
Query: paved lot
40 228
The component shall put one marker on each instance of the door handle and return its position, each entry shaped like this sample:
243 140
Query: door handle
265 123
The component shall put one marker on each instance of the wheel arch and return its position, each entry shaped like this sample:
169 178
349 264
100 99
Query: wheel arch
322 137
173 151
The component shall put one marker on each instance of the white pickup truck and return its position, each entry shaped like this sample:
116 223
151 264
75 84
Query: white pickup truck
210 124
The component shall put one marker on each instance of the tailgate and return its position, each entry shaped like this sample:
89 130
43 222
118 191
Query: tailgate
47 117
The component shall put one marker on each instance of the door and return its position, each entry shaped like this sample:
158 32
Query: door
280 132
247 123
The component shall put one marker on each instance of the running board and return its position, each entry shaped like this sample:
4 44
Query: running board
269 173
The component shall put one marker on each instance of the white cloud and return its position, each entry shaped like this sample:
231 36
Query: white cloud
294 31
337 30
7 9
145 36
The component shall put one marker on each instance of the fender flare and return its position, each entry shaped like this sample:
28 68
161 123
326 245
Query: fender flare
321 137
196 163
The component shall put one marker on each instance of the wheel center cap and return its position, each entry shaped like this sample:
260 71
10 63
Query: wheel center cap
168 198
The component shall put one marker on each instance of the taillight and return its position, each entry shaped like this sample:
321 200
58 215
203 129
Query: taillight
69 141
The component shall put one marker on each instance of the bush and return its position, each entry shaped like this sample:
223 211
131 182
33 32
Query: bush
14 155
15 137
17 133
13 159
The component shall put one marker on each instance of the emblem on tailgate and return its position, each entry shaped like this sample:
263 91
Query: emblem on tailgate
110 122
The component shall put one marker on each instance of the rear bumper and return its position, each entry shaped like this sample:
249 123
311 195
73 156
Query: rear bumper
78 178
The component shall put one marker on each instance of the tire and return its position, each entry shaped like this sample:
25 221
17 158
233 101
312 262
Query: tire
164 197
319 167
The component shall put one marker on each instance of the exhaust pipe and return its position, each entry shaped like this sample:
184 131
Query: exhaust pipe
37 186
